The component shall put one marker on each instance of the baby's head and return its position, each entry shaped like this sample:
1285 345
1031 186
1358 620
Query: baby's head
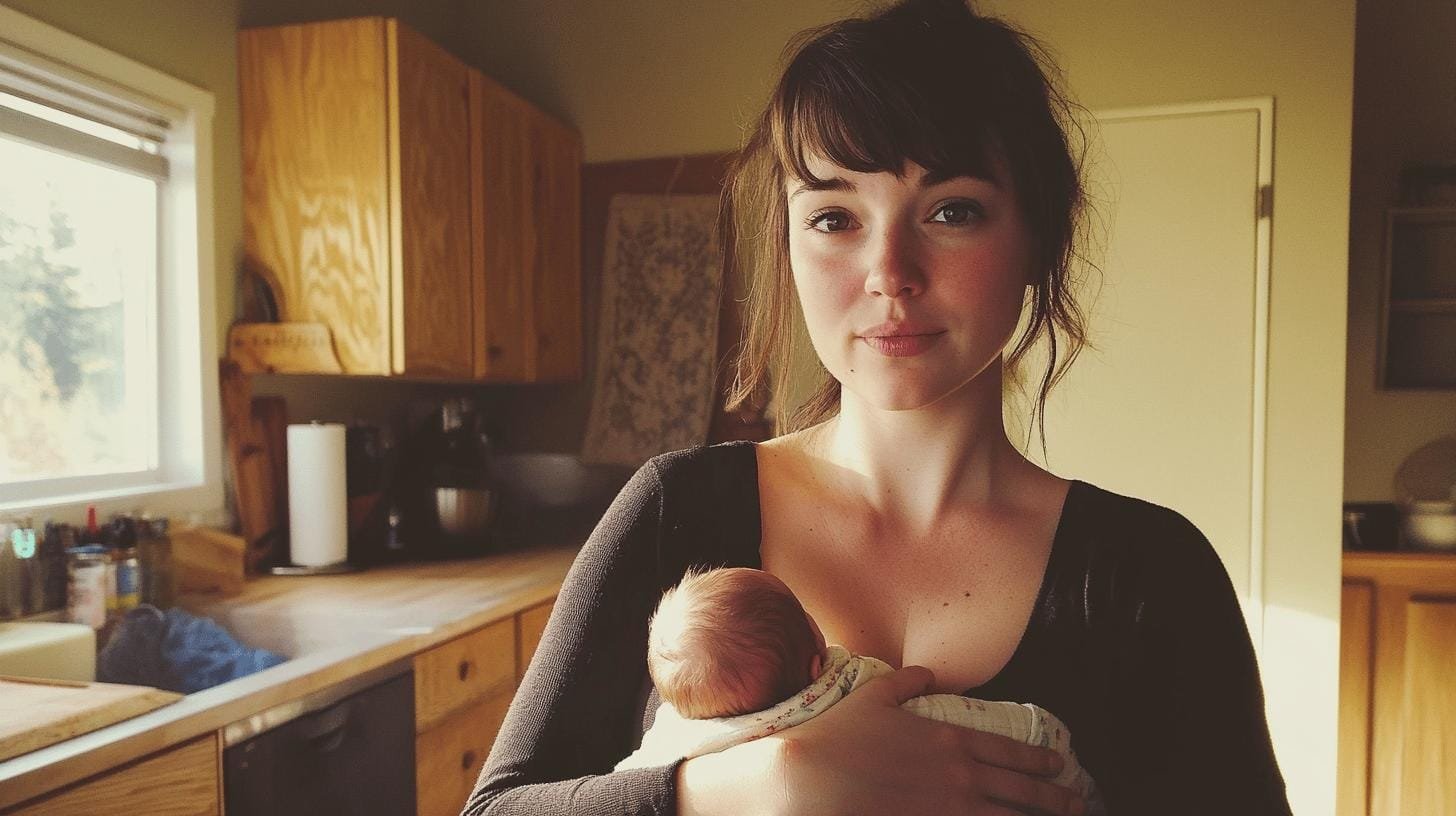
731 641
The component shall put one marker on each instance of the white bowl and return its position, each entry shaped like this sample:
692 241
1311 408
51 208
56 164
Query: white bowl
1430 525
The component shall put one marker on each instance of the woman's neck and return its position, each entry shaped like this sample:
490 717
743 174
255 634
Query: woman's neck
914 467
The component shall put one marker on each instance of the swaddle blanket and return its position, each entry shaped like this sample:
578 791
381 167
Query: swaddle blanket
673 737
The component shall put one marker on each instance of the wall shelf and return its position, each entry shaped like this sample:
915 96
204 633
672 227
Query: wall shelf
1418 300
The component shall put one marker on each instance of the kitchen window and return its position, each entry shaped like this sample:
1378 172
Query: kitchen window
107 319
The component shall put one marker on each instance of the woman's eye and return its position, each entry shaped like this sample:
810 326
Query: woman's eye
958 212
829 221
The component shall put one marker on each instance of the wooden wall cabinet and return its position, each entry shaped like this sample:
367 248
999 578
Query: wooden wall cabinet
526 167
462 690
388 197
1397 685
181 781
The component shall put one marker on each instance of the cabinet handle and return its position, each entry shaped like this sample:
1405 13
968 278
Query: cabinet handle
545 341
464 669
467 760
494 352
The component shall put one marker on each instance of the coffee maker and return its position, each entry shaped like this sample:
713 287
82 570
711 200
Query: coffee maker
445 502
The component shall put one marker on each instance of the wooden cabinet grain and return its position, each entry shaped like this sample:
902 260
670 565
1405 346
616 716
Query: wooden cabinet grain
526 171
424 213
1397 685
181 781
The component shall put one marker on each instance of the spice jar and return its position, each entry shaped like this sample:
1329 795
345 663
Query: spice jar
87 571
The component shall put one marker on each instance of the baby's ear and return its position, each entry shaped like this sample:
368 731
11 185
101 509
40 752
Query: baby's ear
816 665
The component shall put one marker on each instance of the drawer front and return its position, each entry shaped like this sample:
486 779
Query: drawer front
181 781
461 671
449 756
532 624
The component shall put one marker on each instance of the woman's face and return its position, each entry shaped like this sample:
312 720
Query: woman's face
911 287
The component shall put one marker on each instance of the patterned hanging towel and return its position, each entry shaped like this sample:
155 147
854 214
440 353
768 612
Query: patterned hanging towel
658 335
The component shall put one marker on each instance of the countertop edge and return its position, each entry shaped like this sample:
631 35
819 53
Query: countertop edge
54 767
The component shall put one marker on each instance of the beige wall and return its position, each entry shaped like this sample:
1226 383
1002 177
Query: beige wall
1405 83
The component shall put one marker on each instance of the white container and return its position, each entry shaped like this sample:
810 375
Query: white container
1430 525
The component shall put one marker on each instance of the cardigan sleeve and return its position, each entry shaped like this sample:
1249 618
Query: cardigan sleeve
572 717
1194 738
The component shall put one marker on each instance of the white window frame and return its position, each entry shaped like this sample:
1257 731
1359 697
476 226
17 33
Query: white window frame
188 479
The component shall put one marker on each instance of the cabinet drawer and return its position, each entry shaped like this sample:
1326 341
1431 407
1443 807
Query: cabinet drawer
532 624
449 756
181 781
466 669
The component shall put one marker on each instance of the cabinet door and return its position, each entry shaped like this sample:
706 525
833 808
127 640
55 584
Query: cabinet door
1428 767
448 757
1352 791
430 208
182 781
557 286
459 672
316 197
531 623
1413 719
503 238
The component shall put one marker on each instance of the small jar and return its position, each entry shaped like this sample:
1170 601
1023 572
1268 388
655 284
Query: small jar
87 571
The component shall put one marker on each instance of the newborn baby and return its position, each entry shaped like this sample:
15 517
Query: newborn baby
735 657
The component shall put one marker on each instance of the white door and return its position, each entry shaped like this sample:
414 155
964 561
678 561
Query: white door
1169 405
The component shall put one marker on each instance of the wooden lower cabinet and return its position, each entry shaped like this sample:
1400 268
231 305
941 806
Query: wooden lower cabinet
463 688
1397 752
531 623
449 756
181 781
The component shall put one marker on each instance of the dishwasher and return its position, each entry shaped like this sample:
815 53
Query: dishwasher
349 749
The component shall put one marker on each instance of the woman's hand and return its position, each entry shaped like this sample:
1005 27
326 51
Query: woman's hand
867 755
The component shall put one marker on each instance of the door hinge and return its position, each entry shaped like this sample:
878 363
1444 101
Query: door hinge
1264 202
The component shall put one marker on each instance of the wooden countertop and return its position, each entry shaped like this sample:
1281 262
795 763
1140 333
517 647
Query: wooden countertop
1395 567
331 627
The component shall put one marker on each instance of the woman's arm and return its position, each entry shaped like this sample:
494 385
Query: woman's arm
571 718
1193 737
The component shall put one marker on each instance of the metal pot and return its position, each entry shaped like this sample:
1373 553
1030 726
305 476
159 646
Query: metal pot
464 511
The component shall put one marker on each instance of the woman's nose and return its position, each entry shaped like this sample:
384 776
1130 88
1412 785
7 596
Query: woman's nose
892 267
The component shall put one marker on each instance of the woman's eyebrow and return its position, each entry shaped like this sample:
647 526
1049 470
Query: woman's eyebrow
934 177
833 183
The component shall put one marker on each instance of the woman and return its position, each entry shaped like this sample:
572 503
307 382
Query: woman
911 182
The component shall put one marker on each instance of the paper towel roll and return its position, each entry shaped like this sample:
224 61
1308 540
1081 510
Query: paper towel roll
318 516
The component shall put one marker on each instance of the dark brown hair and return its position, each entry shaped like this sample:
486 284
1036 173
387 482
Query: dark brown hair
727 642
924 81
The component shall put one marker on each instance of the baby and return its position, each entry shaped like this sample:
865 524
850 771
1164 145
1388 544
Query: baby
735 657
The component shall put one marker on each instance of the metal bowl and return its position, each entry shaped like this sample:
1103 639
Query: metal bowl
464 511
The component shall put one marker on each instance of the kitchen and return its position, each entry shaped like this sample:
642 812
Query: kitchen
1305 56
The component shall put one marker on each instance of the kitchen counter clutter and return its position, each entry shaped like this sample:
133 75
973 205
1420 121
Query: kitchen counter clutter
467 628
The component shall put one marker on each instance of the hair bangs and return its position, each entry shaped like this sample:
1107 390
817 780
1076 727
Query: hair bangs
852 102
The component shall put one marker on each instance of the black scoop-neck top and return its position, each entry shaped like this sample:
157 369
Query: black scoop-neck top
1136 642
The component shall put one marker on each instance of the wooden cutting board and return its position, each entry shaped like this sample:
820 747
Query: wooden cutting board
37 713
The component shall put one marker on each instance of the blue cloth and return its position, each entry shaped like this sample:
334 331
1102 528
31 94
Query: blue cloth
177 651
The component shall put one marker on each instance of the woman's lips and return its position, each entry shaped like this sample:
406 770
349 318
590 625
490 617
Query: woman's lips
903 345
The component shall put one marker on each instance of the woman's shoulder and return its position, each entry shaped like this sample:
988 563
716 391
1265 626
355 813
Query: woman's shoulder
1127 530
723 462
